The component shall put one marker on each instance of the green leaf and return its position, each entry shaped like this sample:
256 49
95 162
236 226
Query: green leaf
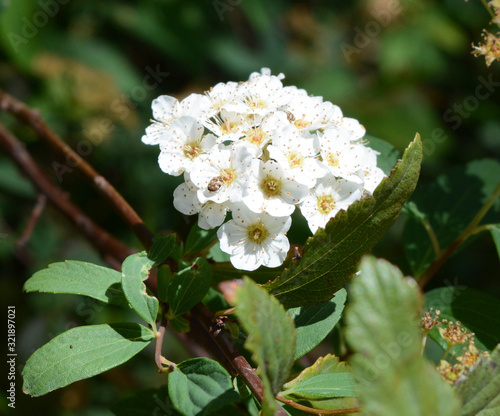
188 287
200 386
135 270
495 234
323 386
324 365
388 156
448 205
151 402
332 255
81 353
198 239
392 377
315 322
163 277
161 248
477 311
271 338
79 278
480 389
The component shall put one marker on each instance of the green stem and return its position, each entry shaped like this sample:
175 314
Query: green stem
485 4
432 236
471 229
446 352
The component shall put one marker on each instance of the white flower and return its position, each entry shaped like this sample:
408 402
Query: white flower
185 197
327 198
226 125
259 135
254 240
354 127
271 190
371 174
311 113
212 215
221 176
186 145
344 158
167 109
296 153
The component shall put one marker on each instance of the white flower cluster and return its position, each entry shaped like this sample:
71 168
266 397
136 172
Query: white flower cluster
258 149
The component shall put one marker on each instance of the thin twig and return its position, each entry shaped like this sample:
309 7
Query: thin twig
432 236
32 117
443 257
34 217
110 249
318 411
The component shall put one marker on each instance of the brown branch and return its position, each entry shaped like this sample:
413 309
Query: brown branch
34 217
103 241
32 117
110 249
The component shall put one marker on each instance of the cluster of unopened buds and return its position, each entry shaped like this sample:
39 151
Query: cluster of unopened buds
257 149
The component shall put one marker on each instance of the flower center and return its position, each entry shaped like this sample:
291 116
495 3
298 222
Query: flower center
256 102
228 176
295 160
228 126
256 136
301 123
332 159
271 187
191 150
326 204
257 233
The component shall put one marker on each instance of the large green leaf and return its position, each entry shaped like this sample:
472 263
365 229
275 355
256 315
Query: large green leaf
480 389
479 312
200 386
393 378
188 287
332 255
328 364
80 278
448 205
198 239
81 353
161 248
135 270
315 322
323 386
271 338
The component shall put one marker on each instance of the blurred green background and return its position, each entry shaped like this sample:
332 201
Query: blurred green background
399 67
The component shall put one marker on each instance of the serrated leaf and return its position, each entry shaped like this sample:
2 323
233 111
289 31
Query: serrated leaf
392 377
388 156
198 239
331 256
477 311
315 322
328 364
200 386
79 278
271 338
480 389
135 270
495 234
448 205
161 248
188 287
322 386
81 353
